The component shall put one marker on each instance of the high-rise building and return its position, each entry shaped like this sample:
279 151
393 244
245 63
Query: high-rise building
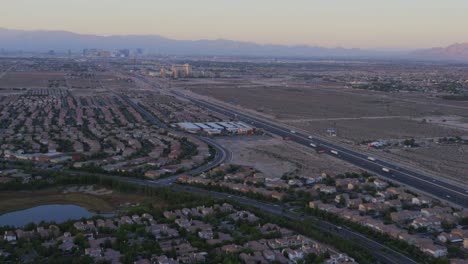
125 53
181 71
96 53
187 69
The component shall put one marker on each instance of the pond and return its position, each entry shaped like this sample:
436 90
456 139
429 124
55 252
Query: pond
58 213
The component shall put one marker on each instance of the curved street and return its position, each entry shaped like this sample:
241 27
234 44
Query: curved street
440 189
381 252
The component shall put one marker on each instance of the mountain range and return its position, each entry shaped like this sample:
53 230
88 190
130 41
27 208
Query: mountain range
42 41
61 41
458 51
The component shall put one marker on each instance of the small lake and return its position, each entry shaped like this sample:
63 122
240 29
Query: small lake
58 213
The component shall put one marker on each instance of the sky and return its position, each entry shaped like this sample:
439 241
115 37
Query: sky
375 24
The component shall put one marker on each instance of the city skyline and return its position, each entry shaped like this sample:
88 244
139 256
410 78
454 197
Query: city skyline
360 24
234 131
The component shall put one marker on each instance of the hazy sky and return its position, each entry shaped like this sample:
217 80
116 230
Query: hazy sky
349 23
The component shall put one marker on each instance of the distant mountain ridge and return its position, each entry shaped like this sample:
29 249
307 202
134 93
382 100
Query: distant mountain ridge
457 51
61 41
42 41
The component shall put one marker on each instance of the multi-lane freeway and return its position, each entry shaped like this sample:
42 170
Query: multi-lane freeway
221 154
381 252
443 190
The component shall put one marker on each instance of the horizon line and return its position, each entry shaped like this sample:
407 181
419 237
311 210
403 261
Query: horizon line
222 39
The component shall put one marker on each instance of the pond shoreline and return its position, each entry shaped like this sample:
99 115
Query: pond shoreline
14 201
57 213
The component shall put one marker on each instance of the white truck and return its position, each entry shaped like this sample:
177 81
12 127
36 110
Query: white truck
371 158
310 137
334 152
385 169
313 145
293 132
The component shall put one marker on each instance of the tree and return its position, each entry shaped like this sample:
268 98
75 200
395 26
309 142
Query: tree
80 240
409 142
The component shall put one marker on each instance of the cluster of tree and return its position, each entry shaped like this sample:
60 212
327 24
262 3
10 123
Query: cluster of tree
64 145
396 244
309 229
410 143
456 97
99 170
188 149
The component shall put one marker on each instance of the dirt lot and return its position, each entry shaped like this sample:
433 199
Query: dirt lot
385 128
275 157
291 103
110 81
362 115
30 79
448 160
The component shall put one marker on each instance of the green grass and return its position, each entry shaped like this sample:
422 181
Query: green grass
19 200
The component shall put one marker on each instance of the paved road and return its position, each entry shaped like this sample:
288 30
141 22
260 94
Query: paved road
2 74
221 154
443 190
374 248
150 117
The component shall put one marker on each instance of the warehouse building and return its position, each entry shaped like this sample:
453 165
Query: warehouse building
214 128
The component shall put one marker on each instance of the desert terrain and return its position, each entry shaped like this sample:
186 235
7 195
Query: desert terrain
360 116
275 157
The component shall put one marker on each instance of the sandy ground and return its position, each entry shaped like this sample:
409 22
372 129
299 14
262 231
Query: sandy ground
88 189
275 157
361 116
359 130
287 103
449 161
457 122
29 79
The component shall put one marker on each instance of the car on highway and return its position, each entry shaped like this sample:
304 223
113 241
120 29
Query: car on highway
293 132
313 145
386 169
371 158
334 152
310 137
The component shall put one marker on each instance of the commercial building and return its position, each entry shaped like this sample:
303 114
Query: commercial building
181 71
216 127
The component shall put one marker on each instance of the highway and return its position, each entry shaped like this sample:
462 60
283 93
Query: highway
374 248
443 190
222 155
